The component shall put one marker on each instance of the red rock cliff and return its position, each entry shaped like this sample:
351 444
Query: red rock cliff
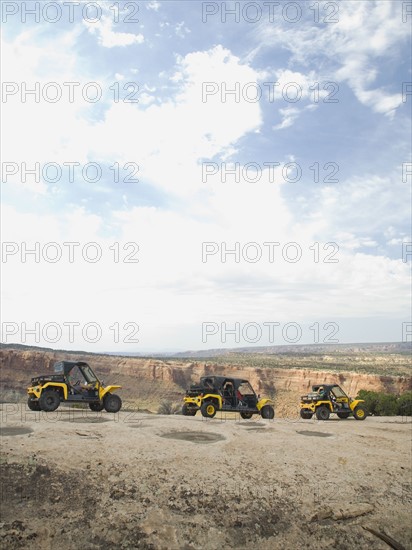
136 374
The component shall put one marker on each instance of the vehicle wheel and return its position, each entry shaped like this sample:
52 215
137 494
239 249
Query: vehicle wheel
267 411
360 413
112 403
49 400
96 407
322 413
188 411
246 415
343 414
307 415
208 409
33 405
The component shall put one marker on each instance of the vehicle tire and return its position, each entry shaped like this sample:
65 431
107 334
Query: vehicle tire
49 400
246 415
267 411
343 414
96 407
33 405
307 415
322 413
208 409
188 411
360 413
112 403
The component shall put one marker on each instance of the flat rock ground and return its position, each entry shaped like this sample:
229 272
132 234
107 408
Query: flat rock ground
74 479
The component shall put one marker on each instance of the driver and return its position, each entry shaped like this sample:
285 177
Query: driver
335 402
75 379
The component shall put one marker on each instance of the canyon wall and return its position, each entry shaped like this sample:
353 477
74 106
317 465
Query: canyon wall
155 379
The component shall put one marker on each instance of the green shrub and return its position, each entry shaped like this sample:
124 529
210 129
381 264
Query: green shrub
386 404
370 398
405 404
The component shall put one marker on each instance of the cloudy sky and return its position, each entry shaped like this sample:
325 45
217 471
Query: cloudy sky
190 175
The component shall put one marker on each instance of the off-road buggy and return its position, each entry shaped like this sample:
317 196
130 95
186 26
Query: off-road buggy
73 382
218 393
330 398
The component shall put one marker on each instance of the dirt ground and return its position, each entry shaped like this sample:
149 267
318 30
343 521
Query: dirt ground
76 479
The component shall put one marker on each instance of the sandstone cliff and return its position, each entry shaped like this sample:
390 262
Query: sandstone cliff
148 381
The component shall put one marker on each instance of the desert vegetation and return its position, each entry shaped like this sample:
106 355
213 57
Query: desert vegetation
387 404
168 407
390 364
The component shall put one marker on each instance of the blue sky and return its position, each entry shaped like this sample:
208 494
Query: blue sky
331 104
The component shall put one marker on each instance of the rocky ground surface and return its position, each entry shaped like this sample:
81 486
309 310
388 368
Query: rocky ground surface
76 479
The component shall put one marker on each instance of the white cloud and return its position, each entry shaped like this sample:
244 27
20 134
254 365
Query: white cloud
153 5
380 101
44 126
370 203
184 122
171 286
349 241
181 30
294 88
171 138
365 33
289 115
108 38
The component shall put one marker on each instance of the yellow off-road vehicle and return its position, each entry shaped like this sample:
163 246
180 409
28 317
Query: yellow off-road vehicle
330 398
72 382
218 393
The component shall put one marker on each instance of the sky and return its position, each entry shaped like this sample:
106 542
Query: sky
186 175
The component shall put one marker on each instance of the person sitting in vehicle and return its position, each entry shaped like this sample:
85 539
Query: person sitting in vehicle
228 393
240 401
208 384
335 402
75 379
